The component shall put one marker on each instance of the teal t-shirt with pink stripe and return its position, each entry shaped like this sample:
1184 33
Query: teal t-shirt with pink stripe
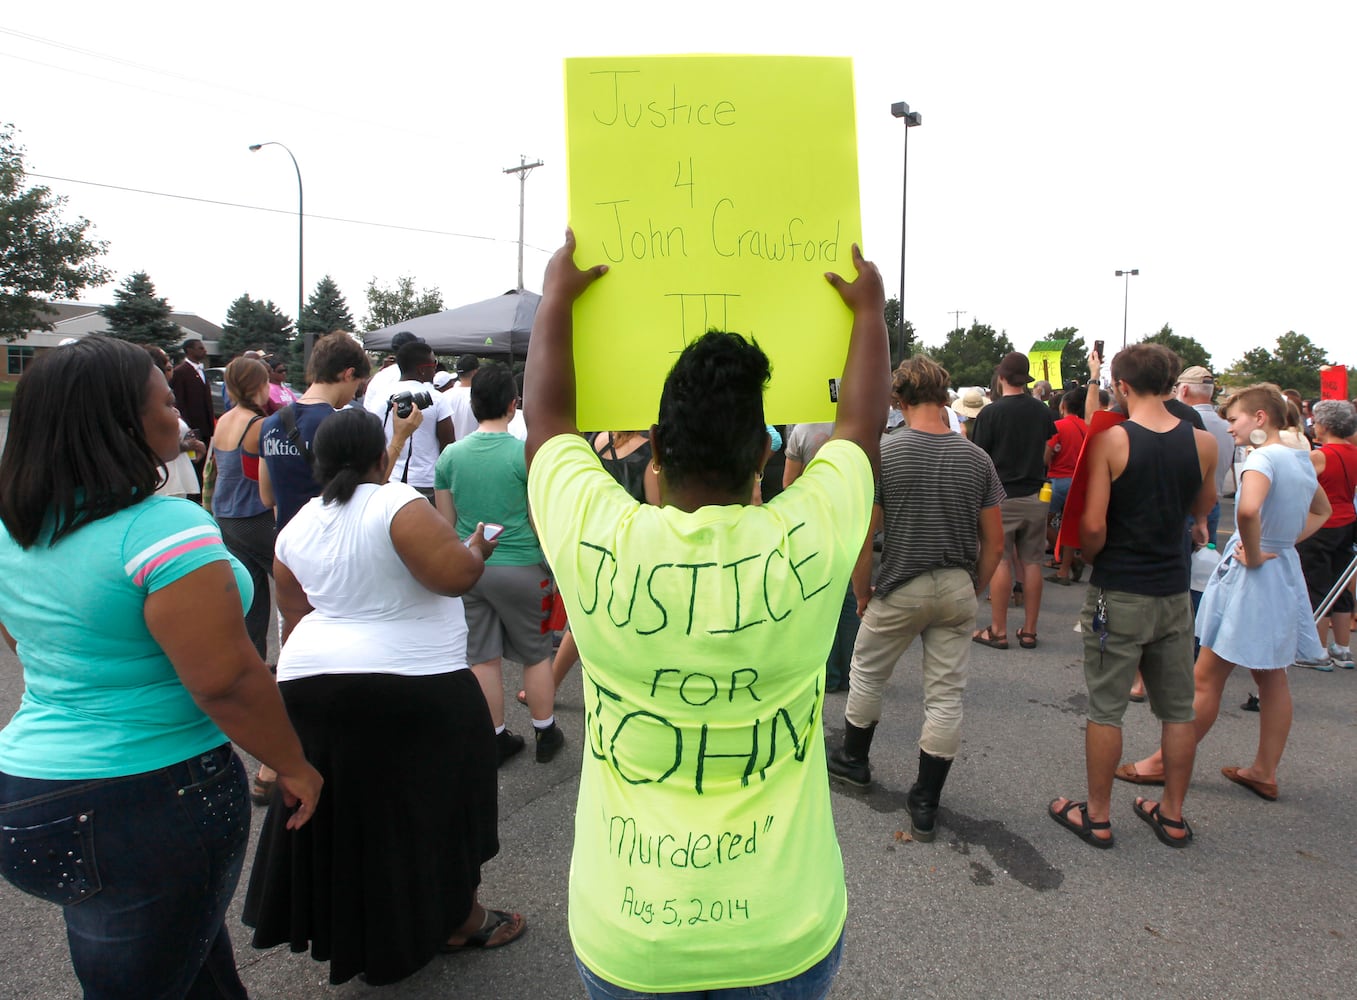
101 698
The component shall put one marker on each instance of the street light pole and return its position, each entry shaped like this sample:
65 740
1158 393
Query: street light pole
901 110
523 169
1125 301
307 338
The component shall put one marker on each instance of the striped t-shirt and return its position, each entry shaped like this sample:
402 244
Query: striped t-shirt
931 491
101 699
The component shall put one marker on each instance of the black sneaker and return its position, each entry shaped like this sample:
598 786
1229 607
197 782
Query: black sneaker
508 744
1251 705
549 742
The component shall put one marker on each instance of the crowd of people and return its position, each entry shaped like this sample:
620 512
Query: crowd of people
419 526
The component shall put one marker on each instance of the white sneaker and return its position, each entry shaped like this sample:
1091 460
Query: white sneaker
1324 665
1341 656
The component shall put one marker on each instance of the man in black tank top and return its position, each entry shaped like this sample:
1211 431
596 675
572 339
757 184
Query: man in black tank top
1146 476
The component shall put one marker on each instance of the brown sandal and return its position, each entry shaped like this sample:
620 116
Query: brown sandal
1027 640
986 637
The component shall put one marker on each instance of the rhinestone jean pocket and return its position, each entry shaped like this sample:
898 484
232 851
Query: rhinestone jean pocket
53 861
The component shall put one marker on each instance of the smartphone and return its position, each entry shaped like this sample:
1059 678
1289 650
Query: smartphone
492 531
1098 349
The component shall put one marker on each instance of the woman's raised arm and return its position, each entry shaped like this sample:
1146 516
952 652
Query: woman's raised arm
865 390
549 377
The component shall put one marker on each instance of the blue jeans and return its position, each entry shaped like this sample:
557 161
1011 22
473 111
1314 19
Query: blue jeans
143 866
813 984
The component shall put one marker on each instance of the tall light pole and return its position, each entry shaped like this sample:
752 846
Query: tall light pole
523 169
901 110
1125 300
307 338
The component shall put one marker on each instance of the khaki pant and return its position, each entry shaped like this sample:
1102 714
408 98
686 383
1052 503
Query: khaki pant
940 607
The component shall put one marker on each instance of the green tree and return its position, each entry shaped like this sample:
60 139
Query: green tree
900 349
255 325
1293 364
41 256
326 310
970 356
1191 352
140 316
389 306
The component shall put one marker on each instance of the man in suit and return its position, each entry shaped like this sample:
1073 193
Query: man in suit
193 397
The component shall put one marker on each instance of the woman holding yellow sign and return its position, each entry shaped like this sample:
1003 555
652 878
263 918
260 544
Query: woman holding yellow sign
705 860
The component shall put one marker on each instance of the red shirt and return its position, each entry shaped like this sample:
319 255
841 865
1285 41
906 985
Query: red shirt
1065 444
1339 479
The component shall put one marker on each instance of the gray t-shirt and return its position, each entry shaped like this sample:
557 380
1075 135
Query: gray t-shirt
931 491
1220 430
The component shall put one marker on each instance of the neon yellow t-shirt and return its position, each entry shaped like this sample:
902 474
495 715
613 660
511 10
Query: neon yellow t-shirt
705 855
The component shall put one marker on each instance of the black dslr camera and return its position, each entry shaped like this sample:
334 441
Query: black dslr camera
405 402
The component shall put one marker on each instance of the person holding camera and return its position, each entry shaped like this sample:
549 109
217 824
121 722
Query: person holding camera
415 464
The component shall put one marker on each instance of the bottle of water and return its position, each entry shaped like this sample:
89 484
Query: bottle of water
1204 563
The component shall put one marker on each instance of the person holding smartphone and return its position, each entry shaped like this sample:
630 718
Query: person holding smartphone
483 478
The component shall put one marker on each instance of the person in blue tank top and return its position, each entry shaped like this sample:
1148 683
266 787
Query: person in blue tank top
121 799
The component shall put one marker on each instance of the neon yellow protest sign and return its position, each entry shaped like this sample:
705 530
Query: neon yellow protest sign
719 189
1044 361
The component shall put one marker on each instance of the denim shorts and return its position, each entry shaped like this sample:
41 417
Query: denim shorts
143 866
813 984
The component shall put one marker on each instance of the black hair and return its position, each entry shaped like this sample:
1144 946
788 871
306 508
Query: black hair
411 356
347 445
1075 399
1149 369
333 354
76 451
711 425
492 391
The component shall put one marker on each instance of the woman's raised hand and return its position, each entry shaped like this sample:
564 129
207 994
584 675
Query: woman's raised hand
564 279
865 292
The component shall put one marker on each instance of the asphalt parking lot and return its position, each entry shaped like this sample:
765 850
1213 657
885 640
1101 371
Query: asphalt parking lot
1003 904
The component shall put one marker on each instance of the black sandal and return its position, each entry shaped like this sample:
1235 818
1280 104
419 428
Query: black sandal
494 920
1083 829
1161 824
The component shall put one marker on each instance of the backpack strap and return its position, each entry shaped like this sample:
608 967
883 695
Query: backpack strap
288 416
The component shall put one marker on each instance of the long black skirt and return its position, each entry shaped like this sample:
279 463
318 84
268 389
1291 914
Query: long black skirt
387 868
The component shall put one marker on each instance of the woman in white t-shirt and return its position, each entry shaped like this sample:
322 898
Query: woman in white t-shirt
373 673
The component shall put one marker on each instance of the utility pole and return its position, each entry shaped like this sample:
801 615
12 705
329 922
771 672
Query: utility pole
523 169
957 314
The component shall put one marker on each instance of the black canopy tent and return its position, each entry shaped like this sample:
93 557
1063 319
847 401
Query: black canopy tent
497 327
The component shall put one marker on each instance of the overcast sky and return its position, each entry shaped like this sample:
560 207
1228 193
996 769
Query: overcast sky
1207 144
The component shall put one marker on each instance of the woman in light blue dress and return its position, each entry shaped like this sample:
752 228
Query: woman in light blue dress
1255 611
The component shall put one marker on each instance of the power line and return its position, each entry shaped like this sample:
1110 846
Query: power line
282 211
144 68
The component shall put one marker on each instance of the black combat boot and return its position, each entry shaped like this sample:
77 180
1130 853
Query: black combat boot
849 762
923 797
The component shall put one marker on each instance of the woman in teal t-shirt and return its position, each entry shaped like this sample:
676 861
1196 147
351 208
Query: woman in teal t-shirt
705 858
120 798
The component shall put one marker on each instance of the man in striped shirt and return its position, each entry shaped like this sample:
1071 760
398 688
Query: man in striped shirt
938 498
